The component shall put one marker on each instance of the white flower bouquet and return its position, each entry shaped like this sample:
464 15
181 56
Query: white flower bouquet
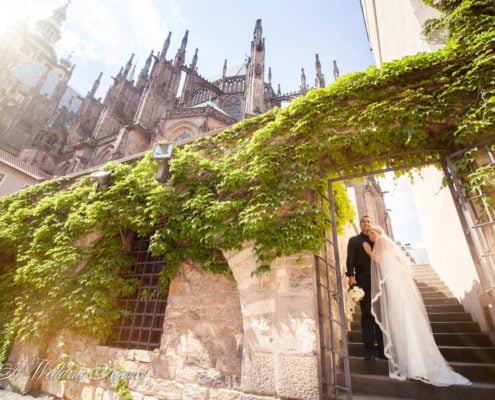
356 293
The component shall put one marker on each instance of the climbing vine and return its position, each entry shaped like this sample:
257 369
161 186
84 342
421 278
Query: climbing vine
64 243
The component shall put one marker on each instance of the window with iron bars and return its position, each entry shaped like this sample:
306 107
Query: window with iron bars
142 326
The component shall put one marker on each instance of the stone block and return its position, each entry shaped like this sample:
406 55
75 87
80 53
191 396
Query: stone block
110 395
54 387
298 377
258 372
187 375
223 394
143 356
137 396
169 390
99 393
87 393
195 392
255 397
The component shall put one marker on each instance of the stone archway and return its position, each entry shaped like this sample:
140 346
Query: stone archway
479 298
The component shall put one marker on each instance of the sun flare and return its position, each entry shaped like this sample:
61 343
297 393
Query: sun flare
19 10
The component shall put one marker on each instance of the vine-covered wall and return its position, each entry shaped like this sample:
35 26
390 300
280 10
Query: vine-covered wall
256 181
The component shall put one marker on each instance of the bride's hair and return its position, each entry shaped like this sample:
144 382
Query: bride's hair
378 229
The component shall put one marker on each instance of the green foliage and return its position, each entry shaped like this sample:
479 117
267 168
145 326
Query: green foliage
63 244
123 390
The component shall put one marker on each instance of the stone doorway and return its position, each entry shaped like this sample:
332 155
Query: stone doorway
471 212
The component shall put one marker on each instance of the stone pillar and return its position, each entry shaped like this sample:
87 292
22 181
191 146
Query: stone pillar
280 345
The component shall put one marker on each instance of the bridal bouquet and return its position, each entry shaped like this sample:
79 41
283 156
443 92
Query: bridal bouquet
356 293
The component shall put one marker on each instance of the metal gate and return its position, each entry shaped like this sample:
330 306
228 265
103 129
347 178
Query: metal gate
476 212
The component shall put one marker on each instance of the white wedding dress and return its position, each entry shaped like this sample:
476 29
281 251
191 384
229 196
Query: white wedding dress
399 310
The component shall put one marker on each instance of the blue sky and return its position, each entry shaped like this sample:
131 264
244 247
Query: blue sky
101 35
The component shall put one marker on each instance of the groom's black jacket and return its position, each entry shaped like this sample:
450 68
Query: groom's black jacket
358 262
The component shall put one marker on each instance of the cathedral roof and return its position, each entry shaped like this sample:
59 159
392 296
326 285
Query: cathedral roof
209 103
236 70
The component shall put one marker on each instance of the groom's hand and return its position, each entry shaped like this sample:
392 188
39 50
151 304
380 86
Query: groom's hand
352 281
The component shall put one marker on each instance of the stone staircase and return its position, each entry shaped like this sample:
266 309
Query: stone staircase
468 350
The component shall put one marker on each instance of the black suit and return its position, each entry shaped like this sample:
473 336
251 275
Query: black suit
359 265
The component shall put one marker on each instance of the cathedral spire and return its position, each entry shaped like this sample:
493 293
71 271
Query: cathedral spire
166 45
48 29
194 61
336 73
258 41
254 101
320 79
128 66
130 78
224 73
143 75
304 86
95 87
181 53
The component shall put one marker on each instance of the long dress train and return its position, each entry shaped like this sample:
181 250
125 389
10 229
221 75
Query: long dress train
400 312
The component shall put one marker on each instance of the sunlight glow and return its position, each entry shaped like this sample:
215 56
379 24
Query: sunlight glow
18 10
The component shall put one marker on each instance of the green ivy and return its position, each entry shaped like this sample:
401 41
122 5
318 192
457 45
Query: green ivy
64 243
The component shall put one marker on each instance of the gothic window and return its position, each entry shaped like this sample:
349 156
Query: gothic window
232 106
183 136
142 326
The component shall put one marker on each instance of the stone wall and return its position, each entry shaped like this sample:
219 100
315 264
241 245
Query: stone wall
280 345
248 338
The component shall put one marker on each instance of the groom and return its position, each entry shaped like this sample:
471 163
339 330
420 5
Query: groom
359 272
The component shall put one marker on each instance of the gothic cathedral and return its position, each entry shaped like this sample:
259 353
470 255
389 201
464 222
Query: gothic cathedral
48 125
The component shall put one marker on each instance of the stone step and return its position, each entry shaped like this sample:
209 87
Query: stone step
470 354
384 386
450 317
424 267
440 301
422 285
430 289
429 280
443 339
435 316
455 327
440 308
469 351
476 372
441 327
436 295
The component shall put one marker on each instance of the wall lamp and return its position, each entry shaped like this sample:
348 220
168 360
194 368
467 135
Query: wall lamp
162 152
102 178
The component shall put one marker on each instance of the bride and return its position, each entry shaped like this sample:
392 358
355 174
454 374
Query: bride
399 311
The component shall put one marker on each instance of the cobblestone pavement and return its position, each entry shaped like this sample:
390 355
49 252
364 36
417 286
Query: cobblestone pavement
7 395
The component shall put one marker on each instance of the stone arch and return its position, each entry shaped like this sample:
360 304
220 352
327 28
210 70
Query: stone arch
204 314
103 155
279 325
182 130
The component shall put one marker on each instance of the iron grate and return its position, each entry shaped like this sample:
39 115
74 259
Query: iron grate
142 326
